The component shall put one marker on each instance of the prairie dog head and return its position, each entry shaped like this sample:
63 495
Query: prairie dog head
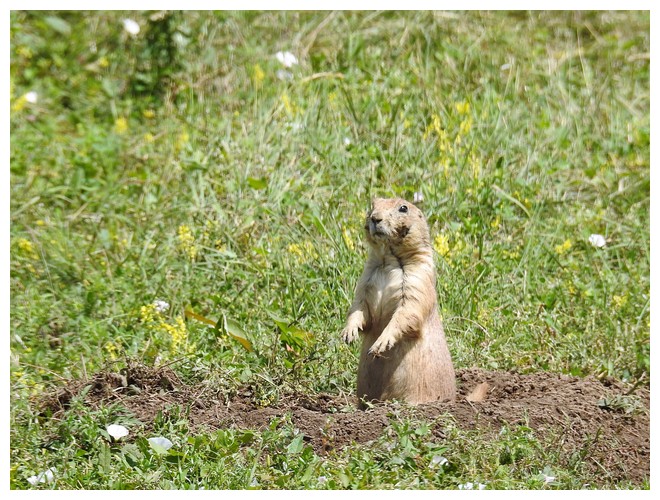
397 224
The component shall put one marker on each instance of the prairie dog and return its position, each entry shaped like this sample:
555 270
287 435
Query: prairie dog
404 352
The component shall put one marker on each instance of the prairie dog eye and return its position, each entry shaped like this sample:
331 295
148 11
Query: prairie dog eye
403 209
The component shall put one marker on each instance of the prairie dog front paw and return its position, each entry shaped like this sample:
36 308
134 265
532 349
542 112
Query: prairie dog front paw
350 333
383 343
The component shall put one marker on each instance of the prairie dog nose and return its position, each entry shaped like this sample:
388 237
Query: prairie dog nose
375 219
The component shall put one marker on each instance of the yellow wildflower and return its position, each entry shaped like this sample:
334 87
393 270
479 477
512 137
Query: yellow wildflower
148 314
441 245
295 249
19 103
187 242
111 348
495 223
24 51
149 113
619 301
434 126
152 317
177 332
348 240
27 248
463 108
121 125
289 106
258 75
482 316
103 62
29 98
563 248
465 127
181 140
148 138
302 252
445 172
37 389
510 254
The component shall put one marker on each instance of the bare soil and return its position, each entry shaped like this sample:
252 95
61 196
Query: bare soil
595 420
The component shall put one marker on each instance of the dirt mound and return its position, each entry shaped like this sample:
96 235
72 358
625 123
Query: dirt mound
596 419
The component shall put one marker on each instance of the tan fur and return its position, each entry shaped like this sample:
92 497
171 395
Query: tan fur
404 352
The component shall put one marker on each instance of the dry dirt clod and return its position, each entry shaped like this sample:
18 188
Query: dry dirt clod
479 393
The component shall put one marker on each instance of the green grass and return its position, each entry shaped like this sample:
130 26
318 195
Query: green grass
176 166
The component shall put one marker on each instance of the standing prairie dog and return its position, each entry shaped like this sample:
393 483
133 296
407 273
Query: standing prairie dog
404 352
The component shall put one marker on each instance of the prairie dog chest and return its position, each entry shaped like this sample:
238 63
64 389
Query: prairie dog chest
383 291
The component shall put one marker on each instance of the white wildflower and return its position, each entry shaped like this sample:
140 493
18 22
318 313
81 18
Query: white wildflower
180 39
286 58
254 483
117 431
597 240
32 97
43 477
547 478
437 460
418 197
160 444
283 74
505 66
161 306
131 26
472 486
347 141
322 479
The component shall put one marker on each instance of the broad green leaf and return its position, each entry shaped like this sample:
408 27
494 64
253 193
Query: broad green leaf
199 317
59 25
230 326
277 318
296 445
257 183
104 457
235 330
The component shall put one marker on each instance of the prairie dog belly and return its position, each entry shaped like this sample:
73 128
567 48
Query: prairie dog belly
383 294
